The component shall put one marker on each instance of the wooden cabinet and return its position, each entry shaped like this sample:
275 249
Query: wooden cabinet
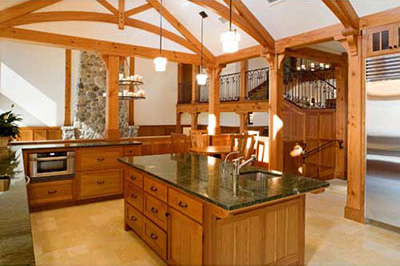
383 40
134 195
99 183
156 238
134 219
135 177
90 159
185 240
155 210
134 150
155 188
186 205
49 192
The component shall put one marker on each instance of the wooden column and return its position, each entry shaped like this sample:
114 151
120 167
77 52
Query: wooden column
355 205
112 103
131 114
275 111
214 127
194 124
121 14
243 69
195 91
243 121
67 112
178 123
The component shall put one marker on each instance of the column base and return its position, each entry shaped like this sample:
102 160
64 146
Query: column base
354 214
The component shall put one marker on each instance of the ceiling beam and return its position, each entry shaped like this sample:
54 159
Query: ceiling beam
244 11
243 54
137 10
182 30
317 55
108 6
121 14
93 16
24 8
104 47
238 20
381 18
345 12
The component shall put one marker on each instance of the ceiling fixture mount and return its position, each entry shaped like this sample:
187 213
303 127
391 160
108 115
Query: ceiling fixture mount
160 62
202 76
230 39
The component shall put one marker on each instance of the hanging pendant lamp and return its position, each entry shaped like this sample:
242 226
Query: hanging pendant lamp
160 62
230 39
202 76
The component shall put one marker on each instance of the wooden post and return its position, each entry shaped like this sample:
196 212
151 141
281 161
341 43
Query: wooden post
214 127
112 103
243 121
243 69
275 111
194 124
67 112
195 91
178 122
131 114
121 14
355 205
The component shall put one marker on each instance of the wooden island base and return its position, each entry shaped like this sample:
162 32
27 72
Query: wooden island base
185 230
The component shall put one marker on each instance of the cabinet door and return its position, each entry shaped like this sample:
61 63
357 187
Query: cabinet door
396 39
185 240
380 40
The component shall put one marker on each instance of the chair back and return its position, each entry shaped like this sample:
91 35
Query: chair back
179 143
199 138
244 144
260 153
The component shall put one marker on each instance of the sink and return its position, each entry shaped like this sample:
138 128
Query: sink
255 181
255 176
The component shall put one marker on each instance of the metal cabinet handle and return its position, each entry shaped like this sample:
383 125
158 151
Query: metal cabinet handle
133 218
133 177
52 192
133 196
182 205
154 210
100 182
167 214
395 46
390 47
100 159
153 236
154 189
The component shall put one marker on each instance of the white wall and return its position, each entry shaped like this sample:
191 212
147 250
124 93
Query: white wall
33 78
159 108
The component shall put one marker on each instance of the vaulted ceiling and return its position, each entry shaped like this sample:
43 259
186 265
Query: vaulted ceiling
265 22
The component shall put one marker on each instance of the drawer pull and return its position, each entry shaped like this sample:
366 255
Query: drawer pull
100 159
167 214
100 182
52 192
182 205
153 188
133 218
133 178
154 210
133 196
153 236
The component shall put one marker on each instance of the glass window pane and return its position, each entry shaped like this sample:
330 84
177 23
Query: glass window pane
385 40
376 41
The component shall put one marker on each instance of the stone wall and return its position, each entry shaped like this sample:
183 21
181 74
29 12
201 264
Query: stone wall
90 109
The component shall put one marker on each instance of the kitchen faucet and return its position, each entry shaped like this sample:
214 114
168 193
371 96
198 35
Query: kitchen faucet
236 170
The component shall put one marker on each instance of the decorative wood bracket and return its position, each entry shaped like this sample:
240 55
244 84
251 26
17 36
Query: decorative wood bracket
352 36
275 60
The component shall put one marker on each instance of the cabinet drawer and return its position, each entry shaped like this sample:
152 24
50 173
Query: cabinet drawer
135 150
156 238
47 192
100 183
134 177
155 188
134 219
134 196
155 210
186 205
95 158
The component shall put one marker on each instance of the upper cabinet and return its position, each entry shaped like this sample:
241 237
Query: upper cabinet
383 40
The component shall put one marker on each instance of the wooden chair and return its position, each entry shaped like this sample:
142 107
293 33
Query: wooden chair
244 144
179 143
260 153
199 138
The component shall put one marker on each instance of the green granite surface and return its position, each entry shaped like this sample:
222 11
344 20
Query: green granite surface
78 145
204 177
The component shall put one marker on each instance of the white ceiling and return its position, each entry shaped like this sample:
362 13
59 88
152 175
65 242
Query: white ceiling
288 17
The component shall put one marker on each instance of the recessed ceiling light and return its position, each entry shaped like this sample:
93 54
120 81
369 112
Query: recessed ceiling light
274 2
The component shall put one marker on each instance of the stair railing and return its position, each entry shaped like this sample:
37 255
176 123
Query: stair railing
254 79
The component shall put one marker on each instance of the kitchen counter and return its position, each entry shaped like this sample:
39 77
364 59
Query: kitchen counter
16 247
79 145
203 177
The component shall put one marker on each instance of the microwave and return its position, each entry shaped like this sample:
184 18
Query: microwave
51 164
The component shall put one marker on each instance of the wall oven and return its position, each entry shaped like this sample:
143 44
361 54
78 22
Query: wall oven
51 164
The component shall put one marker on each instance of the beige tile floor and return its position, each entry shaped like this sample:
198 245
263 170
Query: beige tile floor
93 234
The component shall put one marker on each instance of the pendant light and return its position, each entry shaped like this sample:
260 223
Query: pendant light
230 39
160 62
202 76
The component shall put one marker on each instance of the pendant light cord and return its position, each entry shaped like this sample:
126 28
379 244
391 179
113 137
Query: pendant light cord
201 51
161 32
230 15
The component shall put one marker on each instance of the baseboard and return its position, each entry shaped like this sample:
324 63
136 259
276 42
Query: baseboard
354 214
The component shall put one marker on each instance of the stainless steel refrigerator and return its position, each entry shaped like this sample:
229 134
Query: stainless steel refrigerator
383 139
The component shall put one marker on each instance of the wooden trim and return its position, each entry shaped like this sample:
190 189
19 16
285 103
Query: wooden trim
112 102
317 55
214 100
93 16
195 91
131 114
243 69
105 47
345 12
67 112
24 8
243 54
381 18
108 6
137 10
182 30
121 14
238 106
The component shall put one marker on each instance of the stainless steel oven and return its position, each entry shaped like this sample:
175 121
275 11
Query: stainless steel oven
51 164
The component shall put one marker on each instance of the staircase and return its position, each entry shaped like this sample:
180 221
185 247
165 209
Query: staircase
261 92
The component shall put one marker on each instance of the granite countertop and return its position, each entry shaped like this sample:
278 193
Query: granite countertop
16 247
78 145
203 177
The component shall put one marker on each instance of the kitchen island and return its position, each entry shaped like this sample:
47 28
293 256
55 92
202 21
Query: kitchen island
183 207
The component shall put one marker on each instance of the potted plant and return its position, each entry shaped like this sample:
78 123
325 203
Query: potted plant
8 127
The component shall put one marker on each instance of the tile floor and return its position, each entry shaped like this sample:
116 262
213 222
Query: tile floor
93 234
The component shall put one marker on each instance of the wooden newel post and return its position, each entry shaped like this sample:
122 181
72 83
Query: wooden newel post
214 127
243 69
275 111
112 102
